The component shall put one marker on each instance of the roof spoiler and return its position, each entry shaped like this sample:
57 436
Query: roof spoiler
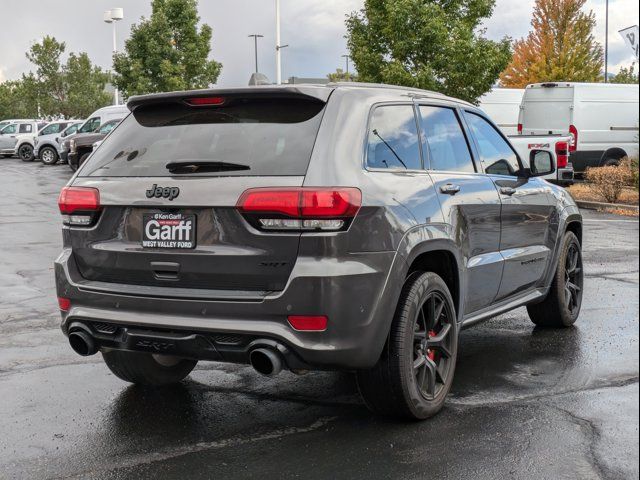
190 97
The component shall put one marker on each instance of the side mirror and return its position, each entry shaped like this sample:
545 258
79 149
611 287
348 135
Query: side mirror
541 163
63 134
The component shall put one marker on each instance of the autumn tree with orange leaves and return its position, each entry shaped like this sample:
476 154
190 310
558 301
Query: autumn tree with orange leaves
561 47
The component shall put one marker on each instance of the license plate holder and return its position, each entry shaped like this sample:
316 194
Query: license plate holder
173 231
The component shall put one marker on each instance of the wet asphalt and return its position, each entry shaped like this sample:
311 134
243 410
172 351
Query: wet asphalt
526 403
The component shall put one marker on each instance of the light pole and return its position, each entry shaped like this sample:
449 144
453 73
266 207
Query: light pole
606 42
113 16
255 46
278 46
346 58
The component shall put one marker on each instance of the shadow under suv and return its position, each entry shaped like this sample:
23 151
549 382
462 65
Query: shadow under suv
349 226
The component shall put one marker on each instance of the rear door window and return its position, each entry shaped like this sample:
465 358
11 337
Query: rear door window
496 154
246 136
445 140
393 139
25 128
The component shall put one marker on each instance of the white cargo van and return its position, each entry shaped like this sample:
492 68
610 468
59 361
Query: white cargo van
602 119
503 107
102 115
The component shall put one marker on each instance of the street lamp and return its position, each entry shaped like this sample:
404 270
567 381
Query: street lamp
255 42
347 57
278 46
113 16
606 42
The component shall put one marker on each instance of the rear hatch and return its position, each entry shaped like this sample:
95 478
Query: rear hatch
547 109
169 178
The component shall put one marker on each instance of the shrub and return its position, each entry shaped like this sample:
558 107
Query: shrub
632 164
609 182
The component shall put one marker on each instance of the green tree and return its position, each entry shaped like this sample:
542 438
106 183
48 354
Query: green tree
49 85
18 99
432 44
74 89
167 51
341 76
561 47
84 85
626 75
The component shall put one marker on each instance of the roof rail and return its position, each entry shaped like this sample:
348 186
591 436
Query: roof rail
415 92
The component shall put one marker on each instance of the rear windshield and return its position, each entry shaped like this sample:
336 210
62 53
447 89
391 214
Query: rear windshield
547 109
247 136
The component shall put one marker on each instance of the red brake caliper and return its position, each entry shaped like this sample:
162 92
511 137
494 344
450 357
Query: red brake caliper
431 353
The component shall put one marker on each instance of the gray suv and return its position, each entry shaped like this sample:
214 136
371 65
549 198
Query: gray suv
341 227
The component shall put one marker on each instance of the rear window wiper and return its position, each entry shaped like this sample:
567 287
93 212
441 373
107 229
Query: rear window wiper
204 167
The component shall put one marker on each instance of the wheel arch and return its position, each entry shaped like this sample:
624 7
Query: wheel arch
615 153
440 256
575 226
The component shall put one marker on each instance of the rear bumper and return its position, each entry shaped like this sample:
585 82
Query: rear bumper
565 177
356 293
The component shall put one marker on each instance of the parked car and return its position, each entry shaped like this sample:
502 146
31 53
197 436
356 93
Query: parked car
96 119
17 139
503 107
6 122
81 145
602 119
46 144
350 227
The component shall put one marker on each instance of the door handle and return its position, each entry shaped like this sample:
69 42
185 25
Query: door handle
450 189
507 190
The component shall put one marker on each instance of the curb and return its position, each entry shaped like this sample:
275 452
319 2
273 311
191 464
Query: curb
606 206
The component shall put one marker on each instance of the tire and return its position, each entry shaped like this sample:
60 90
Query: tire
611 162
561 307
83 158
48 155
146 368
392 386
25 152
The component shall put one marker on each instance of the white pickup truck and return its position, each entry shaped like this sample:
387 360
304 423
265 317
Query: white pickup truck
17 138
557 144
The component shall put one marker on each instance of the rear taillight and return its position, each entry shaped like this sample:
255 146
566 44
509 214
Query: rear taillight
573 144
79 205
562 154
328 209
519 128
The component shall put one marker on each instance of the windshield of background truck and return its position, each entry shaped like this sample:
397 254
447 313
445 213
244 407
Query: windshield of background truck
90 125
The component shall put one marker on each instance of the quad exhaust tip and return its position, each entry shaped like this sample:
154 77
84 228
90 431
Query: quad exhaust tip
82 343
265 361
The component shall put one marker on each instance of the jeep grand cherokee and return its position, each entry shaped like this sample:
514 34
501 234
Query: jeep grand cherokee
348 227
